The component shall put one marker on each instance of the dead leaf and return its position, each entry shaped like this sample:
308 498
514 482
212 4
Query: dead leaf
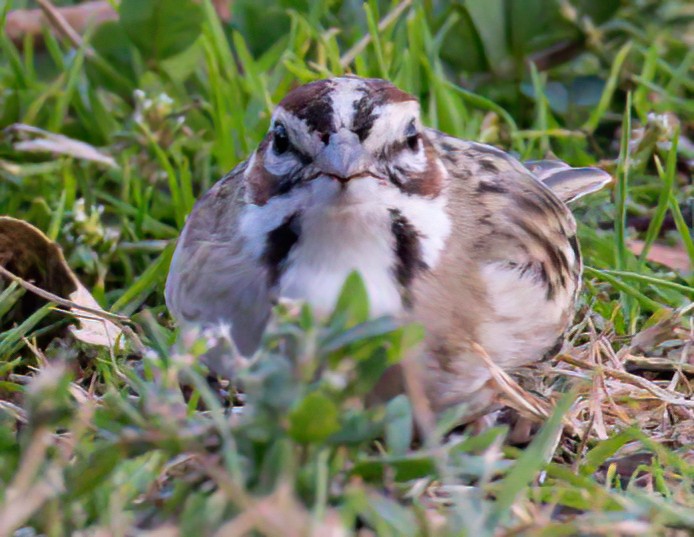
57 144
673 257
664 322
92 330
28 254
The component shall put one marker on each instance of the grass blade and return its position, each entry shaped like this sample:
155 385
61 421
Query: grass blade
668 180
608 92
529 463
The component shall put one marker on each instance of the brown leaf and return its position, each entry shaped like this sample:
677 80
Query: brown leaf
31 256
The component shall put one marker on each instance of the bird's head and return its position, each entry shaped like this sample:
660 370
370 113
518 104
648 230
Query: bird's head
348 139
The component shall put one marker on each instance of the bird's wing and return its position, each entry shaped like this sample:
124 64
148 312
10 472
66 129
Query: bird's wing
515 216
212 280
567 183
516 242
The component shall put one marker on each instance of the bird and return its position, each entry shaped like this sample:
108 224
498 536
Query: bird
458 236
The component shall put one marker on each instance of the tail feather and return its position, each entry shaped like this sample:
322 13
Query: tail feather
569 184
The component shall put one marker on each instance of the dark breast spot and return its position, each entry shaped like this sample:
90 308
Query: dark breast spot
278 244
408 251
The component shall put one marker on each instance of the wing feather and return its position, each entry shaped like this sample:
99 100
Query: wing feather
516 266
567 183
212 281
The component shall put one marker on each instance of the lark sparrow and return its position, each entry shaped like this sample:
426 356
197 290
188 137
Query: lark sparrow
456 235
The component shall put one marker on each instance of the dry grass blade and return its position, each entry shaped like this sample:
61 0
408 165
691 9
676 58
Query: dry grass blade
23 496
102 320
57 144
147 443
646 363
60 23
16 412
50 297
517 398
278 514
667 396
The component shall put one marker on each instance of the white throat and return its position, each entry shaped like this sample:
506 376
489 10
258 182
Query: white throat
336 238
335 242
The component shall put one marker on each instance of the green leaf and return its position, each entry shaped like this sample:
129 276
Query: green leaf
145 283
365 331
385 516
603 451
463 37
413 466
357 427
399 425
111 42
9 297
610 88
489 18
314 420
161 28
528 21
353 304
600 11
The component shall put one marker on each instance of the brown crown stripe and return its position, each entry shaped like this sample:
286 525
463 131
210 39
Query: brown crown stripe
312 103
384 92
377 92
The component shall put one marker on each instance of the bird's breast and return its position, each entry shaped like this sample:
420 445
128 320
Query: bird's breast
334 243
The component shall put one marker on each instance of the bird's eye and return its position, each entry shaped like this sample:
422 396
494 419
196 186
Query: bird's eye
412 136
280 138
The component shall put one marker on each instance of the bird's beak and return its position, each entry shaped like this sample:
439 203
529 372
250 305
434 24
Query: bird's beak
344 157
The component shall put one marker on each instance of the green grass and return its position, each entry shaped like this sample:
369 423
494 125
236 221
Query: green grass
139 439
